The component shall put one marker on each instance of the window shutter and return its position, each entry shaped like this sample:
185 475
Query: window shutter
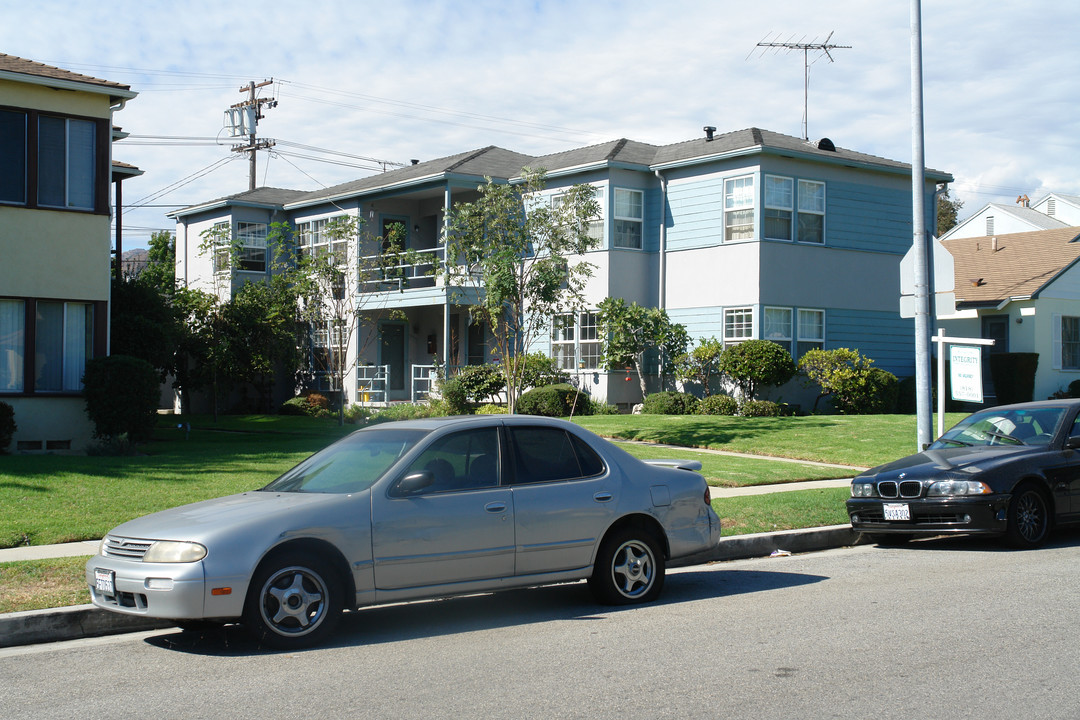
1056 329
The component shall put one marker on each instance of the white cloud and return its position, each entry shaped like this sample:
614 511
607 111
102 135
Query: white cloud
544 76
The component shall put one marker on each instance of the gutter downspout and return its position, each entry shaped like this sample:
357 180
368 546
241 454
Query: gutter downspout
662 280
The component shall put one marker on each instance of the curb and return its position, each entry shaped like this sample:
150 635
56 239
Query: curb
85 621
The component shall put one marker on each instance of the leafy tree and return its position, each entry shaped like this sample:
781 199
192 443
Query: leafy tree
160 270
198 356
518 260
121 397
631 330
144 323
754 364
701 364
947 211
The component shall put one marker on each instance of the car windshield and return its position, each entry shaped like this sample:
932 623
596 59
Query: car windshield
1003 427
349 465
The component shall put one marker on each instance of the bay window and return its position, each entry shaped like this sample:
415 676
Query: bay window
811 211
778 207
629 218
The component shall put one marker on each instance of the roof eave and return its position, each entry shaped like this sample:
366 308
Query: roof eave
390 187
218 204
114 93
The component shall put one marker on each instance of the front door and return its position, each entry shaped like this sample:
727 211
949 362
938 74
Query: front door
392 354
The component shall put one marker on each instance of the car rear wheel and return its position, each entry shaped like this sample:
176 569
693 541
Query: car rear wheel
294 601
1029 519
629 568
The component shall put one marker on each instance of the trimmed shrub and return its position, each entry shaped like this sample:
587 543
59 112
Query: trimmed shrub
599 407
294 406
554 401
1014 376
491 409
407 411
7 426
455 397
541 370
760 408
754 364
480 383
670 403
718 405
356 414
312 405
122 395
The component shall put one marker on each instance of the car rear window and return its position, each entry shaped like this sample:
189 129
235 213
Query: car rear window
545 454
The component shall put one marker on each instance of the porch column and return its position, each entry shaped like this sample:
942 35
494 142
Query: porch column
446 290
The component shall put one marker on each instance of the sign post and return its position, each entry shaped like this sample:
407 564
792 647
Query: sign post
966 376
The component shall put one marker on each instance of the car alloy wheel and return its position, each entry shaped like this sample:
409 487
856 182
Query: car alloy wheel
1029 518
629 569
294 602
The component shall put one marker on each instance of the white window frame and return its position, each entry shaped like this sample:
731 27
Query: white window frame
1060 342
740 201
221 253
738 325
778 332
783 206
251 246
806 340
628 221
575 341
811 205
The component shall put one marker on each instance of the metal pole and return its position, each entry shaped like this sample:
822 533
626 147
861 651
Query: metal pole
922 283
252 168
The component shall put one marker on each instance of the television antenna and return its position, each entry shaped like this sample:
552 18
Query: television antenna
806 46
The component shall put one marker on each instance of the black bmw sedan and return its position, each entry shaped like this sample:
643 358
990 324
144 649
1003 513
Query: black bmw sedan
1012 470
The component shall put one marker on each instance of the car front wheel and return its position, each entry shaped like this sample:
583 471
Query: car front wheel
629 568
294 601
1029 518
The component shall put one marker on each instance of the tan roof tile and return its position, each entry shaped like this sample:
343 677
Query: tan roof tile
10 63
1021 265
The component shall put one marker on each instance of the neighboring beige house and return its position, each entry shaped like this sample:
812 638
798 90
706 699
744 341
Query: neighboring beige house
1023 291
56 133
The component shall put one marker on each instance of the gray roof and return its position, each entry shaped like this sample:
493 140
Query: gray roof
621 151
490 161
263 196
1040 220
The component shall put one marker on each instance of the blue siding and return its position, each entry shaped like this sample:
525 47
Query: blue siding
885 338
866 217
700 322
697 214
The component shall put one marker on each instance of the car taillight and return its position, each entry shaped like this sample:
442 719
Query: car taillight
708 496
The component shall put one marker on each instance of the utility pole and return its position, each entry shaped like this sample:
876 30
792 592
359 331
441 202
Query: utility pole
243 118
806 47
923 292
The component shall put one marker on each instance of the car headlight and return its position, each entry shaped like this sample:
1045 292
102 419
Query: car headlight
170 551
863 489
949 488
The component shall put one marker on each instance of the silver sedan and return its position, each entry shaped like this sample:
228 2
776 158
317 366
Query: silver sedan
408 510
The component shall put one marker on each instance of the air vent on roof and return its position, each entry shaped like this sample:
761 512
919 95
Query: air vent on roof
826 144
414 161
989 225
709 130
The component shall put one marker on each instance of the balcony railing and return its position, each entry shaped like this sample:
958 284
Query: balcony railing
371 384
402 276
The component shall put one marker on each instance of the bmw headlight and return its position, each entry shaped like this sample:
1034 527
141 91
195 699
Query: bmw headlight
170 551
950 488
863 489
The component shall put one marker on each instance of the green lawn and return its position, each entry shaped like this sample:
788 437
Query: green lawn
864 440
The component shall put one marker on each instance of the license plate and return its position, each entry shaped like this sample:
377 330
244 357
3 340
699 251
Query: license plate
105 581
897 511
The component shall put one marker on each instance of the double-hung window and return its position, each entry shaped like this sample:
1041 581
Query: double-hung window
251 250
629 218
575 342
811 211
51 161
738 325
1066 332
13 128
12 345
739 208
778 326
222 247
778 207
64 340
811 331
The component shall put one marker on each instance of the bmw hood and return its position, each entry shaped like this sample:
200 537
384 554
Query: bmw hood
203 521
932 463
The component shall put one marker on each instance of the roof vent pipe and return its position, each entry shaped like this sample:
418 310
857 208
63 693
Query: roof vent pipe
709 130
993 244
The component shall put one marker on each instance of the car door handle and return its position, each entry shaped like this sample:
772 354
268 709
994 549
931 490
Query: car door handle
495 507
603 497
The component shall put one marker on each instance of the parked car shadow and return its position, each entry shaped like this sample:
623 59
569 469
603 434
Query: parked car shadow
428 618
1062 537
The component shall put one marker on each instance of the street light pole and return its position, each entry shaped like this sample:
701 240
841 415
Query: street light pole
922 274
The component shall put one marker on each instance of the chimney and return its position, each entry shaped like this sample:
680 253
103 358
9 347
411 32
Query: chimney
709 130
1023 201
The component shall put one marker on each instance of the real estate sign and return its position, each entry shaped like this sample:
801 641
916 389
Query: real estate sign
965 364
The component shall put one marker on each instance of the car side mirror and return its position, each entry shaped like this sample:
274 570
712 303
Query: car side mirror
414 482
1073 443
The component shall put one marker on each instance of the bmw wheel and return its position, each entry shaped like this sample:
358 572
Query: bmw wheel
629 568
294 601
1029 520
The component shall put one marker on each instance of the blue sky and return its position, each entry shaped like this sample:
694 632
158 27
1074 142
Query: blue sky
396 80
